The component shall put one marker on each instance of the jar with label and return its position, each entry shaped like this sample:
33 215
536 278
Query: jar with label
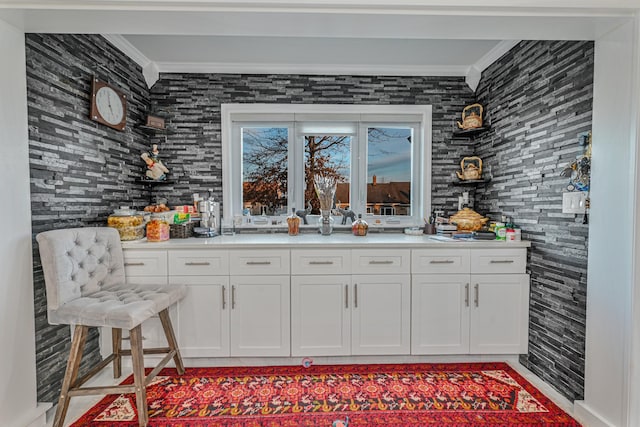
501 231
518 233
510 234
359 226
293 222
129 223
157 229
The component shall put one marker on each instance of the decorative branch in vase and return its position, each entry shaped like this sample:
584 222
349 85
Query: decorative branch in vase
325 187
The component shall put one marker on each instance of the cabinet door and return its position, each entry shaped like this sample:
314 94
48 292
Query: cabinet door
320 316
499 313
440 314
260 316
203 316
380 314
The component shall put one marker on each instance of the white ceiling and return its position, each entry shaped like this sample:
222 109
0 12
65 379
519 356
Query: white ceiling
401 37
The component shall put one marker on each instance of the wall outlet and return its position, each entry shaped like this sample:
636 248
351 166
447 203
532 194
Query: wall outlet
574 202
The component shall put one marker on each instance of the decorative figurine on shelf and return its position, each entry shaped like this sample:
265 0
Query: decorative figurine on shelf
470 168
154 153
346 213
156 171
303 213
471 117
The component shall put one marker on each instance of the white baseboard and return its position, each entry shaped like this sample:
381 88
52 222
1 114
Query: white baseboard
37 417
589 418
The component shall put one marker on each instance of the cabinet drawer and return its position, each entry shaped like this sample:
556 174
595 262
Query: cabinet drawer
145 263
440 261
321 261
371 261
198 263
250 262
499 261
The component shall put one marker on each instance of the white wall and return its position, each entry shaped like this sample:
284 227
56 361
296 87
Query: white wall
18 406
612 222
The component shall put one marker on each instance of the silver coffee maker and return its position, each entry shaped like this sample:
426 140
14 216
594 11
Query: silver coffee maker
210 215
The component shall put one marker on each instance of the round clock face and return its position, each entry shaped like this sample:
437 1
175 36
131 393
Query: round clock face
109 105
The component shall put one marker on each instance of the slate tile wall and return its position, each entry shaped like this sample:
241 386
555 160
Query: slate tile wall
538 100
191 105
80 170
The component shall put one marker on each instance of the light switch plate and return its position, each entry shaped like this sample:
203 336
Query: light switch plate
574 202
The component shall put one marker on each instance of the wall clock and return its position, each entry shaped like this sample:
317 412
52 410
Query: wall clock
108 105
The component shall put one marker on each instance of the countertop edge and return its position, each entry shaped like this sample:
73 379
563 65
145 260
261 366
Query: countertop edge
311 241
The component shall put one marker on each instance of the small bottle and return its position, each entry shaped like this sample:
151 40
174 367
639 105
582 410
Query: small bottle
359 226
293 222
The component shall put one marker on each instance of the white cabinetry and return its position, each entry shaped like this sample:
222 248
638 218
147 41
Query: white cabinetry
260 303
339 300
202 328
320 303
469 301
335 313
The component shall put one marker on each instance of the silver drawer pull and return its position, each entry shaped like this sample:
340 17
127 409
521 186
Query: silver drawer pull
198 263
441 261
258 262
374 262
320 262
129 338
502 261
133 264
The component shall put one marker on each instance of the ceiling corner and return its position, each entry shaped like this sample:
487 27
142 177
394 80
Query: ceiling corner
150 70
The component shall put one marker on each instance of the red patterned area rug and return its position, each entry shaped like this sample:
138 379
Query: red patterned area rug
467 394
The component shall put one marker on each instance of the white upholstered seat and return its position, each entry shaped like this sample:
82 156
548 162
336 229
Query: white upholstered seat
86 286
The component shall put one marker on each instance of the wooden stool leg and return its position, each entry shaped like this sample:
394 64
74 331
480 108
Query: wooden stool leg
116 345
171 339
73 364
137 359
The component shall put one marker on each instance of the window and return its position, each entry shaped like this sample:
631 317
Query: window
380 157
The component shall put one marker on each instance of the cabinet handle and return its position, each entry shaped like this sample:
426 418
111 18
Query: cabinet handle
466 295
224 300
477 299
258 262
198 263
346 296
502 261
320 262
132 264
380 262
233 297
355 296
444 261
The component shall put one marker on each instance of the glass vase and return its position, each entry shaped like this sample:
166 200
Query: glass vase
325 223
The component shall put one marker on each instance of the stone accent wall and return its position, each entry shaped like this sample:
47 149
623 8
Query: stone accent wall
80 170
538 101
191 106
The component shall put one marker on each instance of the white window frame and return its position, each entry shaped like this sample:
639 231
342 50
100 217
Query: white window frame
288 115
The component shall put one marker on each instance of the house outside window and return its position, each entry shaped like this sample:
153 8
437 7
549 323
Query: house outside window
379 156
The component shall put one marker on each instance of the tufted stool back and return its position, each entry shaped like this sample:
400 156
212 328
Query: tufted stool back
78 262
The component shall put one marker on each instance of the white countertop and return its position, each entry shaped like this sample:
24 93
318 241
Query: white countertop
311 240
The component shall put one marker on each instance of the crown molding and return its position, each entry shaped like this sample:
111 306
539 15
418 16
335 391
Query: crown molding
149 68
494 54
474 72
331 69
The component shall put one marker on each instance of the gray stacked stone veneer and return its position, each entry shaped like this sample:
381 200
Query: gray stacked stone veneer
191 105
538 99
80 170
